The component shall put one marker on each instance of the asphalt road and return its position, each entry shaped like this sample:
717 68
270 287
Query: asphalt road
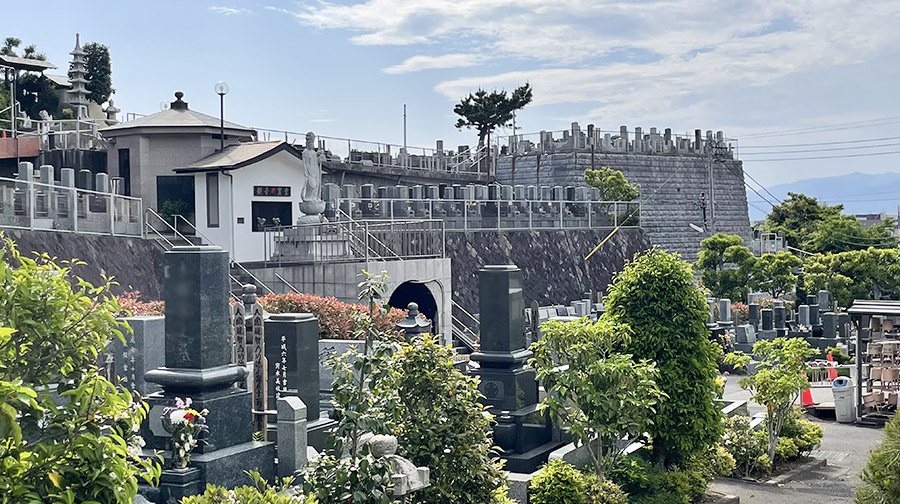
845 446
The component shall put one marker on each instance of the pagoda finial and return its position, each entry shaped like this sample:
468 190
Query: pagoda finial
77 40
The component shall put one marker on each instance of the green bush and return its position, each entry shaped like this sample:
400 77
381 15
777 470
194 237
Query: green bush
657 498
656 296
601 491
647 483
786 450
687 484
712 463
805 435
746 446
241 495
441 424
838 355
635 476
557 483
881 476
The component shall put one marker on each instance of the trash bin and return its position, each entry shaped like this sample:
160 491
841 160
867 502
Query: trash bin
844 407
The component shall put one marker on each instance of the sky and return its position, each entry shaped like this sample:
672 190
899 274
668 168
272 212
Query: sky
770 73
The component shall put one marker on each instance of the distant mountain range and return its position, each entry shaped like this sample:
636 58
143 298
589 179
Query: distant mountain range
860 193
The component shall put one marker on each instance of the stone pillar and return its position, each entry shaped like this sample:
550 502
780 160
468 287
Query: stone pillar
67 177
623 138
725 311
778 314
767 319
292 442
803 315
844 325
85 180
102 183
829 325
753 315
198 366
814 314
824 301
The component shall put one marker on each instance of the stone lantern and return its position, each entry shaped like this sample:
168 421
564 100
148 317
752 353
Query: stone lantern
413 324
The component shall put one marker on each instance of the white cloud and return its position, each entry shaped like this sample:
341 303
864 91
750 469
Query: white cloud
421 62
230 11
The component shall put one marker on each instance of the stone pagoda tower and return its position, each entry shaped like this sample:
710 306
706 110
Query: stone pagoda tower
78 95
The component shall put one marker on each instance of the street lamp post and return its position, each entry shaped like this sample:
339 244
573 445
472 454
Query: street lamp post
221 90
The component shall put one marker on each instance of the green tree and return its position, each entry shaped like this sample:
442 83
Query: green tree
824 272
773 273
612 184
845 233
603 395
858 274
725 265
881 476
779 379
441 424
98 72
486 111
655 295
797 217
81 448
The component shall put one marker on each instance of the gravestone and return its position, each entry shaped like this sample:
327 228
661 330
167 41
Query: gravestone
767 319
753 315
725 313
745 334
803 315
292 352
829 325
778 315
292 435
824 301
198 353
814 315
711 319
142 351
508 383
844 325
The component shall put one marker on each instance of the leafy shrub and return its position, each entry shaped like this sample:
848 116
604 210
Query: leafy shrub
81 449
601 491
786 449
655 295
441 424
687 484
132 306
741 313
838 355
557 483
635 476
337 320
805 435
746 446
647 483
242 495
712 463
657 498
881 476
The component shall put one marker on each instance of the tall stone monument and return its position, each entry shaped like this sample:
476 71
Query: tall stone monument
507 381
198 366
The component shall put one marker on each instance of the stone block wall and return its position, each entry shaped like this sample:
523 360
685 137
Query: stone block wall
671 187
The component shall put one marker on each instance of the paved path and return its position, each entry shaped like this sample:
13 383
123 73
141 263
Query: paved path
845 446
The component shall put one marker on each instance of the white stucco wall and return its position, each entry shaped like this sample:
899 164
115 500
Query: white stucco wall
282 169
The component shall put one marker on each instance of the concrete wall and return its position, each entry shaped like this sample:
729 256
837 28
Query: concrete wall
282 169
552 262
670 184
340 280
136 263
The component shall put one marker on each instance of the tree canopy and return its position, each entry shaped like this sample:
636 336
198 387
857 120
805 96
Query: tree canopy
774 274
725 265
98 72
612 184
486 111
817 227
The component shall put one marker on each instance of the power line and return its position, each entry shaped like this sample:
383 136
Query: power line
819 143
822 150
830 127
826 157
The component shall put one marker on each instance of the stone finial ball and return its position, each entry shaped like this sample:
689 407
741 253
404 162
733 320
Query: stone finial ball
382 445
413 307
248 289
179 95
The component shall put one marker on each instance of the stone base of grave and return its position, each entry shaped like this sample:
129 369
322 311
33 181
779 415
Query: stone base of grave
225 428
531 460
177 483
747 348
526 438
506 389
227 466
766 334
317 433
822 343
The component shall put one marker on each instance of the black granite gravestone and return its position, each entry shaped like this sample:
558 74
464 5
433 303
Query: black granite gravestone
508 383
198 366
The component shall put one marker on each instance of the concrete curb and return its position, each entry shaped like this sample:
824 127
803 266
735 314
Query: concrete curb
720 498
797 471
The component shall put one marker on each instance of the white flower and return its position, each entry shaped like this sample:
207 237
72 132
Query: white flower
177 417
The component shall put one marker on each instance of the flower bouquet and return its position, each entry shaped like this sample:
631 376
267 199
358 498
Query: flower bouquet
185 424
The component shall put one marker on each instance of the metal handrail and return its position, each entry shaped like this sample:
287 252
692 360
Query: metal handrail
460 330
290 286
175 231
372 237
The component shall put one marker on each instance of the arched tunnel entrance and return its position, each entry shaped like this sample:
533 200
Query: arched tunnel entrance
415 292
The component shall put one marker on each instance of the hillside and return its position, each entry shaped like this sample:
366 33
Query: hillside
858 192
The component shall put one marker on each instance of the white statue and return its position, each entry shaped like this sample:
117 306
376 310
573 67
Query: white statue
312 203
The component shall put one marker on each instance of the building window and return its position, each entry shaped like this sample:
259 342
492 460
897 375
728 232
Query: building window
269 213
125 170
212 200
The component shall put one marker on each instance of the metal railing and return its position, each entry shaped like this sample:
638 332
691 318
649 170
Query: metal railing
37 206
465 327
371 153
476 215
354 241
60 133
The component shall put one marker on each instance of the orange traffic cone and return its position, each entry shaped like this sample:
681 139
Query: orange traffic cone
832 372
806 398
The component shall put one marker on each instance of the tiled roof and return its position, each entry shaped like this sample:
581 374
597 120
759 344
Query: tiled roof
237 156
175 118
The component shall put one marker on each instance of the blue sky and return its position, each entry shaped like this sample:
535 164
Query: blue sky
345 69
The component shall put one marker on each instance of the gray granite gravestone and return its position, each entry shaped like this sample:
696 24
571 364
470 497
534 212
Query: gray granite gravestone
142 351
778 314
824 301
753 315
766 319
507 381
829 325
292 440
292 352
745 334
803 315
844 325
814 315
198 366
725 312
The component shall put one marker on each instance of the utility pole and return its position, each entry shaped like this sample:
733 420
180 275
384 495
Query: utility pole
405 151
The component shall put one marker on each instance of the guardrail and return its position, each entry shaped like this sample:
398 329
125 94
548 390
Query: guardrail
371 153
354 241
60 133
36 206
477 215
